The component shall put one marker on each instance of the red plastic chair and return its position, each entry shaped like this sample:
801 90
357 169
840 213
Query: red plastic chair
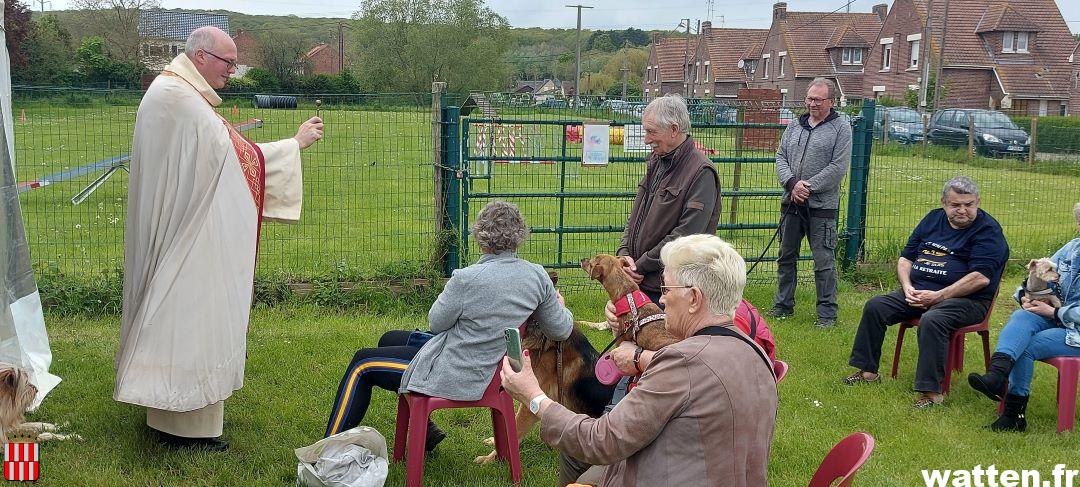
412 417
843 461
780 368
954 355
1068 375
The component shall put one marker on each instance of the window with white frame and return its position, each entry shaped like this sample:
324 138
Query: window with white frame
1014 42
886 56
765 66
914 54
780 64
851 55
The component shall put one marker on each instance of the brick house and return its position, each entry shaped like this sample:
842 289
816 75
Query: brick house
165 32
802 46
666 71
1011 55
1074 86
716 71
321 59
247 52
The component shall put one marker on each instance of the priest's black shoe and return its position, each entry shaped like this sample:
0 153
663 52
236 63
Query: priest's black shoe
208 444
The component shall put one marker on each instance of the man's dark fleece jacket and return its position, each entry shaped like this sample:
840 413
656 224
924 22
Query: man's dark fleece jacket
679 195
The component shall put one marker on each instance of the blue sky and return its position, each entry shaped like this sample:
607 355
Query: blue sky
607 14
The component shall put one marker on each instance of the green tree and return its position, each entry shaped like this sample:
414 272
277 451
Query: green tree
97 65
48 54
406 44
280 54
261 81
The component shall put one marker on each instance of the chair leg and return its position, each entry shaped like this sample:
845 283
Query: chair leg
401 431
958 354
498 427
1067 377
985 335
899 346
414 465
513 448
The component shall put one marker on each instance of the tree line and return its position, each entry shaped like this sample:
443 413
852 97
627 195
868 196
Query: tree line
390 46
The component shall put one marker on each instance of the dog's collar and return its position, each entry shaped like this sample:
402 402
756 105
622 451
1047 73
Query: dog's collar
630 303
1039 293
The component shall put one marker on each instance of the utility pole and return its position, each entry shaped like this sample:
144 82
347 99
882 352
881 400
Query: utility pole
577 62
925 54
42 4
625 68
686 61
941 54
341 46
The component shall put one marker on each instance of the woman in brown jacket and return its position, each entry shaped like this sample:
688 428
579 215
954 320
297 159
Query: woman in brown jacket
704 410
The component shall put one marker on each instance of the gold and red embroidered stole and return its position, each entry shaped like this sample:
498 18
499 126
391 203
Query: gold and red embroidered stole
252 164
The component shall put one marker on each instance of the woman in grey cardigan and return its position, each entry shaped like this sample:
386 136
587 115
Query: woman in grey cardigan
499 291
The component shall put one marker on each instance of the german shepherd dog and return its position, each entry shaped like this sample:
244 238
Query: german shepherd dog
572 384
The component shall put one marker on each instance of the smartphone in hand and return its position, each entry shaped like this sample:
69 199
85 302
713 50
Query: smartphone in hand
513 348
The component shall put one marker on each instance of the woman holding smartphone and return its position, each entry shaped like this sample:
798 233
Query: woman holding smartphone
468 319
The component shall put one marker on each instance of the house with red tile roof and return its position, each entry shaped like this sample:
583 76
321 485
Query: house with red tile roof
1011 55
668 69
801 46
720 67
321 59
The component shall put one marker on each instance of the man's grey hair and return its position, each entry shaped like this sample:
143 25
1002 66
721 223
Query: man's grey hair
201 38
669 110
960 185
499 227
826 82
711 265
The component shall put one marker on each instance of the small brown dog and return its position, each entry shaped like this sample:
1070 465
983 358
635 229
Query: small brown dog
608 270
16 396
1041 272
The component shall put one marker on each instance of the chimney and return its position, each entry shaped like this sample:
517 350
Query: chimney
779 9
706 28
882 11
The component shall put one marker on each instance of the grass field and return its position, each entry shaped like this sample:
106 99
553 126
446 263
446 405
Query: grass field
297 355
369 208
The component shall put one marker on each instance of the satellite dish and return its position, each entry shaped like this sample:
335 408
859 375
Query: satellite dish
741 63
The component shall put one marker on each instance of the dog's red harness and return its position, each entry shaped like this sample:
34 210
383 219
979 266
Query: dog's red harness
629 303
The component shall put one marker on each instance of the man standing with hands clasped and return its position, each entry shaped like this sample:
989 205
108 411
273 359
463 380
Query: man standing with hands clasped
813 157
199 193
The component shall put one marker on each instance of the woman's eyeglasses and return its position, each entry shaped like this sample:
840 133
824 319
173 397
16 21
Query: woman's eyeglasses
664 289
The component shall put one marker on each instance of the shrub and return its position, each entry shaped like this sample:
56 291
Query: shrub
1055 134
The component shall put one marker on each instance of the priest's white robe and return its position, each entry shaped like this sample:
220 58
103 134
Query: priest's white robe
190 244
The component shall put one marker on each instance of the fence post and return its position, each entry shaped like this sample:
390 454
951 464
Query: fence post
1034 137
885 128
451 186
971 136
438 98
861 140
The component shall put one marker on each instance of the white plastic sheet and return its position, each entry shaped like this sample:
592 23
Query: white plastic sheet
23 340
352 458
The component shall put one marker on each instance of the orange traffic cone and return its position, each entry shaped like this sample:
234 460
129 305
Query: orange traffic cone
235 111
22 115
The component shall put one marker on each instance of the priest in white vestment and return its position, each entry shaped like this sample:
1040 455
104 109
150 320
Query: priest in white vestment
199 193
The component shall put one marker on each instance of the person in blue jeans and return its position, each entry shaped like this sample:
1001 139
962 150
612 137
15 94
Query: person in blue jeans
1036 332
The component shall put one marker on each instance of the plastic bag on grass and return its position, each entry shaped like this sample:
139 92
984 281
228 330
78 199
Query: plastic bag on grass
352 458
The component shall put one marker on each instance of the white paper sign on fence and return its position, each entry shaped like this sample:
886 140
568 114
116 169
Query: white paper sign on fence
596 145
634 139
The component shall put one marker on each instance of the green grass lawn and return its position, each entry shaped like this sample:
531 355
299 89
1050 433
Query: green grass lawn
297 355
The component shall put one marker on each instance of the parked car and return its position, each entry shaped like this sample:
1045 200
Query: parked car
553 103
994 133
616 106
905 124
727 114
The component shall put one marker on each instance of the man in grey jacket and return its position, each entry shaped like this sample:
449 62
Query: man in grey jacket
811 161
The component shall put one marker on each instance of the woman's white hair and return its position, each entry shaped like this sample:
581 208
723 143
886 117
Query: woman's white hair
500 227
669 110
710 264
1076 212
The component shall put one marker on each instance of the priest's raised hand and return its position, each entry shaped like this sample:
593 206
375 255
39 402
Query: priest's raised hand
309 132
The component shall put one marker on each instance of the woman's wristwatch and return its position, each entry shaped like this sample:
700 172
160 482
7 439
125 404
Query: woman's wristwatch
534 403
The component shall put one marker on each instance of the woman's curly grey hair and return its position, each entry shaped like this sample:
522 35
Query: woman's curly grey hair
1076 212
499 227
